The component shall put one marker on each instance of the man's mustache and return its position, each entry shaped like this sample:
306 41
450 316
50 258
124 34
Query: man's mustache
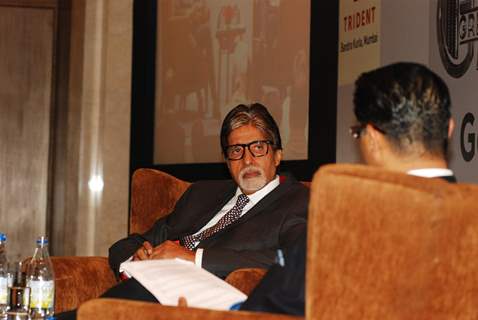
251 169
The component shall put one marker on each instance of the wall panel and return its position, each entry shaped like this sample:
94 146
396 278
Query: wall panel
26 64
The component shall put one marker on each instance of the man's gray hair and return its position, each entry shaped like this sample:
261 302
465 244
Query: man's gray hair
254 114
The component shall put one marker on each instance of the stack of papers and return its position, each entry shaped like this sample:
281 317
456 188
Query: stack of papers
170 279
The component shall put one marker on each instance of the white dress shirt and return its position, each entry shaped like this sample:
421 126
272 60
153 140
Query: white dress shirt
430 172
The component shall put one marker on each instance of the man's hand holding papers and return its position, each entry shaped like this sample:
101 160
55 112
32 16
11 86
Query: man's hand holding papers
166 250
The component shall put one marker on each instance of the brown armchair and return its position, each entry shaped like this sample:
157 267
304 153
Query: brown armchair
153 195
381 245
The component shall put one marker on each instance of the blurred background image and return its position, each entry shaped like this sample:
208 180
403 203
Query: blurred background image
216 54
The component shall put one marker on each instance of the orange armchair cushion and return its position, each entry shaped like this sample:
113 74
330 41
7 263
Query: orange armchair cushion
386 245
246 279
78 279
153 195
117 309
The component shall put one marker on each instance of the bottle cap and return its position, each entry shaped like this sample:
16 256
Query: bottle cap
3 237
42 240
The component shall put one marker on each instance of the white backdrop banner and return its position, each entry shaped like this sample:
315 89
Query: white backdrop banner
441 34
359 34
453 55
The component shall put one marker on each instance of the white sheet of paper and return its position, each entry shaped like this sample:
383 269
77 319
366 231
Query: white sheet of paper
170 279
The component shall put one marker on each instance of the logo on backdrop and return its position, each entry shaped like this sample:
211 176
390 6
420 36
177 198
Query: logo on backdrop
468 141
457 31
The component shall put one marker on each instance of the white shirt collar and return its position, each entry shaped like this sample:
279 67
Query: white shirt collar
430 172
261 193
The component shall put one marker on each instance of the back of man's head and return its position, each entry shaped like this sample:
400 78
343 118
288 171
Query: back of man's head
409 104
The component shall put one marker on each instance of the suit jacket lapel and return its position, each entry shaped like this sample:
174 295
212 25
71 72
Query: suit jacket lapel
264 203
203 219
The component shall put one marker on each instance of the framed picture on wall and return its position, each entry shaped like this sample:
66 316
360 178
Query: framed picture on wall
194 60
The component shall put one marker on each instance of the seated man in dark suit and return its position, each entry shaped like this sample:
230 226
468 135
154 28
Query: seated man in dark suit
404 124
267 212
229 224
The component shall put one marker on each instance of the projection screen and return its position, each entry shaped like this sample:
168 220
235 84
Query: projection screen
212 55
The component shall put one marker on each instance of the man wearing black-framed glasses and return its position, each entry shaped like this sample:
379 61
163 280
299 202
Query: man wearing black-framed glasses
223 225
404 117
252 147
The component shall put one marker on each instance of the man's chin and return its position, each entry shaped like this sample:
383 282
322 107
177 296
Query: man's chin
251 185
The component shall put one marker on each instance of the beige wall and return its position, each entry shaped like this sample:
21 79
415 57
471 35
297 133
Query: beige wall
26 66
98 130
65 92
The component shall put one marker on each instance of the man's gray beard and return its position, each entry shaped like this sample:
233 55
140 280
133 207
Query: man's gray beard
252 184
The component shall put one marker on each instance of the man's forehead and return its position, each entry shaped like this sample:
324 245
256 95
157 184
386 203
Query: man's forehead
245 134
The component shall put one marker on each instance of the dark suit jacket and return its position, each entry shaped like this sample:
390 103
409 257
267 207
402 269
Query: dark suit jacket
282 290
251 241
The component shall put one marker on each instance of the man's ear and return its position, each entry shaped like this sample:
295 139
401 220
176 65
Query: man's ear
376 144
451 127
374 137
277 157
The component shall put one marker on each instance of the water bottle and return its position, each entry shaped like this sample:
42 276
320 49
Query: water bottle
3 276
40 279
18 292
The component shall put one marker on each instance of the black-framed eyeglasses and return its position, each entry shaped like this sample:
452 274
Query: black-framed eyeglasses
356 130
258 148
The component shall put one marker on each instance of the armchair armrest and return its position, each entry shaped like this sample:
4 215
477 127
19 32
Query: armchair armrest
246 279
78 279
119 309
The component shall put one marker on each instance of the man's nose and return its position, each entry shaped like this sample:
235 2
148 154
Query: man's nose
248 157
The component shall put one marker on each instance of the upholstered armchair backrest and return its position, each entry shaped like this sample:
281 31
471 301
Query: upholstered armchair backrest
153 195
384 245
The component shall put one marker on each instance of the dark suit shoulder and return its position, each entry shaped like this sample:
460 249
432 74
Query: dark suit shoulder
213 191
290 188
289 181
201 201
215 184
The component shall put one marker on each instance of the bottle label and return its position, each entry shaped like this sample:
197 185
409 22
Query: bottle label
42 293
3 290
5 282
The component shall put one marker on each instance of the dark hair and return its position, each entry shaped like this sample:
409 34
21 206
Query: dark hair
254 114
408 102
